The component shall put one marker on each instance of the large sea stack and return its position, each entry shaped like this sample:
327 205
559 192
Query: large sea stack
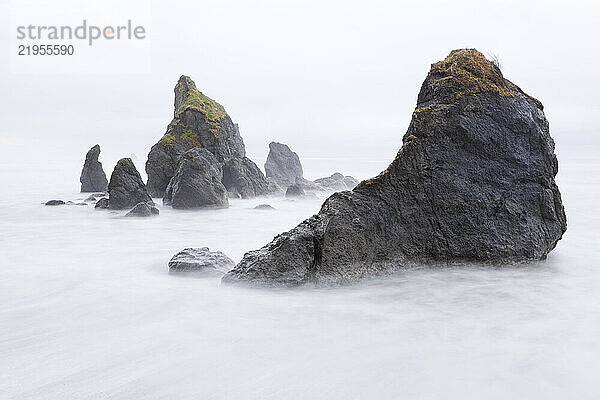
198 121
472 182
93 178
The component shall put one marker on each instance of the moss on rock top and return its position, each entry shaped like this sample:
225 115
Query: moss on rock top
187 97
467 71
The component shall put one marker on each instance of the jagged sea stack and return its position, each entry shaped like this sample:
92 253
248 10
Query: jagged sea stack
93 178
283 165
198 121
473 182
126 188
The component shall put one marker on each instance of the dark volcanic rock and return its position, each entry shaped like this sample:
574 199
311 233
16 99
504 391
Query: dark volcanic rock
126 188
54 203
93 178
294 190
337 182
473 182
244 179
283 165
102 203
198 122
200 260
197 182
142 210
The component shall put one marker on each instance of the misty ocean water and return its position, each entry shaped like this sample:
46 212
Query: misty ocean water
89 311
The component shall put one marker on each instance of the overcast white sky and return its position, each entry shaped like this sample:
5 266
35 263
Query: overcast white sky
329 78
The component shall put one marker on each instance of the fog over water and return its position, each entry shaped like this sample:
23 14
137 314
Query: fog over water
89 311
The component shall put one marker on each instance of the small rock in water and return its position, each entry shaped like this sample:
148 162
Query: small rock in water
72 203
294 191
264 207
102 203
283 165
200 260
142 210
91 198
337 182
54 203
126 188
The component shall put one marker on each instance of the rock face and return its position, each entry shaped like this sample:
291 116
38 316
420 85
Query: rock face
283 165
200 260
244 179
93 178
102 203
198 122
294 190
473 182
54 203
142 210
126 188
337 182
197 182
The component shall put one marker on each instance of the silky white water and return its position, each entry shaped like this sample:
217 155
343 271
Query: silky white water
88 310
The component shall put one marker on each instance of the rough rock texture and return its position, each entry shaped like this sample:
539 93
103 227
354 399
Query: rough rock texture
244 179
142 210
197 182
102 203
294 190
54 203
283 165
337 182
200 260
473 182
198 122
126 188
93 178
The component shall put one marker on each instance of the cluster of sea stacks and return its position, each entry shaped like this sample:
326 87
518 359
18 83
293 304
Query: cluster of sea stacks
472 182
200 162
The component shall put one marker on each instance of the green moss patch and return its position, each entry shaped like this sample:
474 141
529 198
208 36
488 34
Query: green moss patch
467 72
167 140
196 100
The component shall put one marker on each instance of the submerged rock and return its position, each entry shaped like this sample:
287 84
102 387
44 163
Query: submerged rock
54 203
473 182
102 203
142 210
199 122
72 203
283 165
197 182
126 188
294 190
264 207
242 178
200 260
93 178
